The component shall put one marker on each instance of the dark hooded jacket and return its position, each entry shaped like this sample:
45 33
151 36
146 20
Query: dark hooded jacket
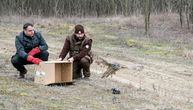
76 48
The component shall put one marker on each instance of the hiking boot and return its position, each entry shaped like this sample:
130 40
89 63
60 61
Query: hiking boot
87 78
22 74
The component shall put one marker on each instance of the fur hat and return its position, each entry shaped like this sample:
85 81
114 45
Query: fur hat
79 29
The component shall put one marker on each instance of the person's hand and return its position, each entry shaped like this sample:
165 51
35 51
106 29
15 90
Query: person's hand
59 59
33 60
36 60
34 51
71 59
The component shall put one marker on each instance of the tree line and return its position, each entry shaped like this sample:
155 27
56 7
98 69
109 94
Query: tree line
184 8
90 7
99 8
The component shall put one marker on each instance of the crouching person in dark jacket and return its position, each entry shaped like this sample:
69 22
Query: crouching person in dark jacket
31 48
78 45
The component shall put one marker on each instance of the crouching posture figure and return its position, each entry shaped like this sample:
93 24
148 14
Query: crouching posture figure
79 47
31 48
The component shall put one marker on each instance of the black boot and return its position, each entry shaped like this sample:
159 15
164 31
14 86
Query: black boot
22 74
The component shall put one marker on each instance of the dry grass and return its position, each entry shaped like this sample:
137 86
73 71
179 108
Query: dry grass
159 86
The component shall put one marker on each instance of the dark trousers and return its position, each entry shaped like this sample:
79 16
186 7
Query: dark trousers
19 62
82 65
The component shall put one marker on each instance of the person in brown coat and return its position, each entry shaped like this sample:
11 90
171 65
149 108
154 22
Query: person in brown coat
78 45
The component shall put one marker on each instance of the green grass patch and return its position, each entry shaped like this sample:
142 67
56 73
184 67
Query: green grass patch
60 30
150 47
2 106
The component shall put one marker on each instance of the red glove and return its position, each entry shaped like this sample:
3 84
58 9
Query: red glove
34 51
33 60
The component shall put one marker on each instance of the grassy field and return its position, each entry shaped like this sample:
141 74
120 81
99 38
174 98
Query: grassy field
164 82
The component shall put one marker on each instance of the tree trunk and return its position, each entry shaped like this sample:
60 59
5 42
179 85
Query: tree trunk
191 14
147 14
180 4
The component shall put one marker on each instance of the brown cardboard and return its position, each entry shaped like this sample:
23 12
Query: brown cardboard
50 72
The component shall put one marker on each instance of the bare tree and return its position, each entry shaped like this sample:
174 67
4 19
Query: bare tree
147 9
187 11
191 14
180 11
92 7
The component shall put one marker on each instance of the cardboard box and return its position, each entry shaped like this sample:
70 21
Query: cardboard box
51 72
